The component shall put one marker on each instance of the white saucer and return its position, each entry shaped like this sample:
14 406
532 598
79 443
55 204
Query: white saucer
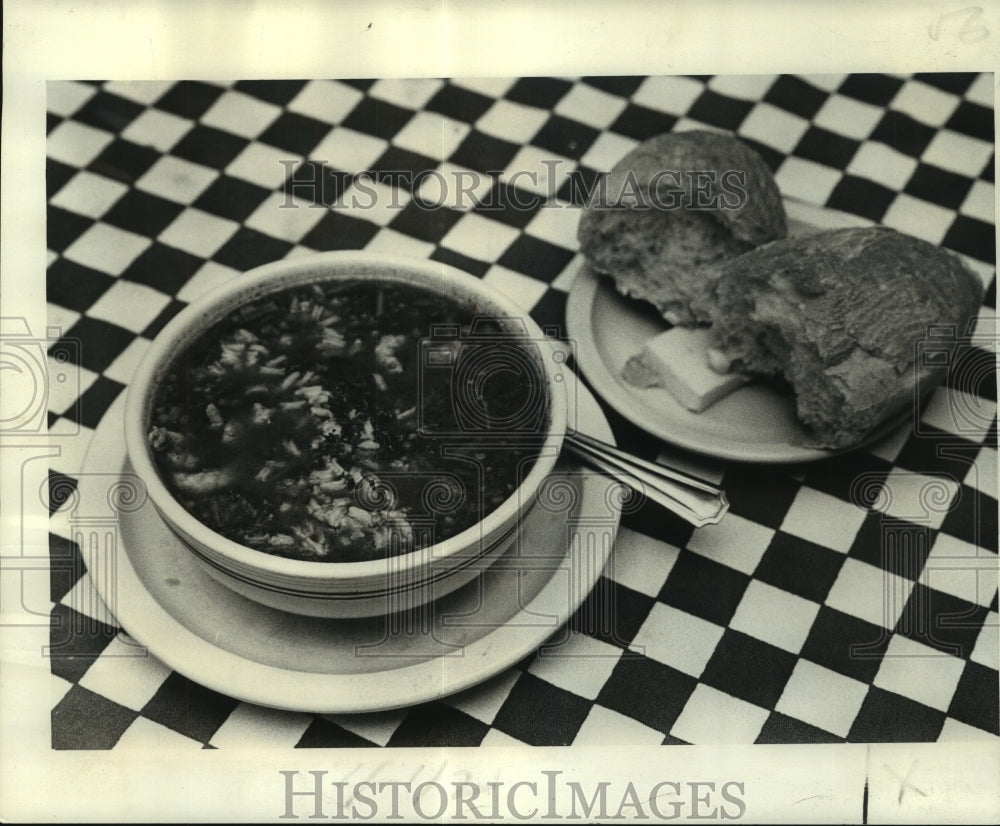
203 630
753 424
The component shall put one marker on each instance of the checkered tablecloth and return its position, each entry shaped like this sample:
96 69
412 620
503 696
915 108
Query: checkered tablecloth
805 616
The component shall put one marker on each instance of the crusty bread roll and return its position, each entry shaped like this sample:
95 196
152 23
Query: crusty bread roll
839 315
672 210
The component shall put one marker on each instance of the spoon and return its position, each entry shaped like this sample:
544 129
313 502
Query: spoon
698 502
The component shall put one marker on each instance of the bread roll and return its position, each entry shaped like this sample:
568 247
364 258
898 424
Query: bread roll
839 315
672 210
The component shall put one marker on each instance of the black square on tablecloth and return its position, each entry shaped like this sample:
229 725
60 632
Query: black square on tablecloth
324 734
550 310
163 318
484 153
957 83
798 566
338 231
75 642
95 401
248 248
988 168
972 237
297 133
976 700
315 181
124 161
65 562
101 342
425 222
938 452
748 668
543 92
541 714
841 476
621 85
903 133
63 227
871 88
860 196
564 136
647 691
973 519
85 720
278 92
885 717
719 110
930 183
612 613
579 187
462 262
61 490
535 257
640 122
793 94
190 98
972 119
826 147
51 122
236 199
846 644
894 545
459 103
402 168
763 497
509 205
973 371
108 111
941 621
209 146
143 213
188 708
57 175
772 157
164 268
780 728
438 725
377 117
362 84
704 588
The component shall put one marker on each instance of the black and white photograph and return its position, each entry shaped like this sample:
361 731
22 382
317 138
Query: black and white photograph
600 444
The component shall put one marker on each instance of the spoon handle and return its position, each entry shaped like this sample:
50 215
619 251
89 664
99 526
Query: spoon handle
699 502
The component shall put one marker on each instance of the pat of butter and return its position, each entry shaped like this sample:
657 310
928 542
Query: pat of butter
680 358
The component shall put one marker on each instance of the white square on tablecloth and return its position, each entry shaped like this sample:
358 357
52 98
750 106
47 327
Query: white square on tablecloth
591 106
198 232
805 179
980 202
955 731
918 498
958 153
432 134
141 91
376 726
773 127
64 97
374 202
678 639
413 93
981 90
349 151
483 701
920 218
176 179
668 94
924 103
456 187
59 319
986 651
882 164
123 368
822 698
492 87
479 238
604 727
240 114
556 223
712 717
156 128
396 243
106 248
744 87
961 569
607 150
126 674
982 474
823 519
512 121
524 290
498 739
578 663
266 166
251 726
924 674
869 593
774 616
955 411
285 217
209 276
847 116
735 542
145 736
89 194
326 100
641 562
75 143
129 305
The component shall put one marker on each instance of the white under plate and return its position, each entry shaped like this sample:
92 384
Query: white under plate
755 423
210 634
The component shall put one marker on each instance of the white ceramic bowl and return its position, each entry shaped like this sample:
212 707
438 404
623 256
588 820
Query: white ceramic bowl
341 589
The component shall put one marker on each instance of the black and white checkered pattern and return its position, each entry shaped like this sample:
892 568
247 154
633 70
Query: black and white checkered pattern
802 617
